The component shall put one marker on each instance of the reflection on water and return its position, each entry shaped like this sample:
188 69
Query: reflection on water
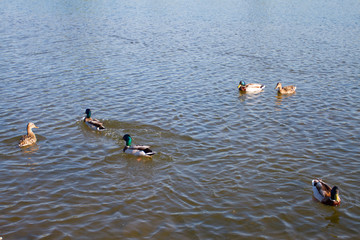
30 149
334 218
281 97
243 96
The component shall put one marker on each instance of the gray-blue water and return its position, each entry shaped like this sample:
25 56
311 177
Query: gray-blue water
228 165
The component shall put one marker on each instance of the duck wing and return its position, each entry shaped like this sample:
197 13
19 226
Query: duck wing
321 189
23 138
140 147
289 88
26 140
22 141
325 188
254 85
143 148
96 123
139 150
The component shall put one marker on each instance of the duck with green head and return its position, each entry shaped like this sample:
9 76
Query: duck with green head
325 194
250 87
137 150
93 123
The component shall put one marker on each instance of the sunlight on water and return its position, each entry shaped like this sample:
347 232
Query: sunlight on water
228 165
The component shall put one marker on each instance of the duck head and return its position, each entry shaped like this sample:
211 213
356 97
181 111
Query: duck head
31 126
88 113
278 85
127 139
335 194
241 84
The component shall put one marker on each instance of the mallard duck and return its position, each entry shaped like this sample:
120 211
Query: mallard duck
93 123
136 150
285 90
30 138
250 87
325 194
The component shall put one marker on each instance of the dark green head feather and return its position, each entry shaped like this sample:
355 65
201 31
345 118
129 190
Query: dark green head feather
88 113
127 139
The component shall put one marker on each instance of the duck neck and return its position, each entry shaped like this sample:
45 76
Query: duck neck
88 115
30 132
128 142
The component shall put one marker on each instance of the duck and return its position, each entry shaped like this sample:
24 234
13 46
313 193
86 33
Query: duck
93 123
285 90
30 138
137 150
325 194
250 87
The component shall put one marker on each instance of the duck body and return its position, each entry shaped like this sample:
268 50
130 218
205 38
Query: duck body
30 137
136 150
325 194
93 123
250 87
285 90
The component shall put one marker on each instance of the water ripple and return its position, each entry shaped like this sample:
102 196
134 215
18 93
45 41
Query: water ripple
228 165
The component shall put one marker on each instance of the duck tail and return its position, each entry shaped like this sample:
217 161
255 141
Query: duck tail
148 151
313 182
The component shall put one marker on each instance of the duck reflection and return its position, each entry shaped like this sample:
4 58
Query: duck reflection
334 218
248 95
280 97
30 149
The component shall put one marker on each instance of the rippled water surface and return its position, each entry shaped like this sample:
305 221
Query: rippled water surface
228 165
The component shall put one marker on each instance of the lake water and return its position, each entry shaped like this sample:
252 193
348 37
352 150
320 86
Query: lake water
228 165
